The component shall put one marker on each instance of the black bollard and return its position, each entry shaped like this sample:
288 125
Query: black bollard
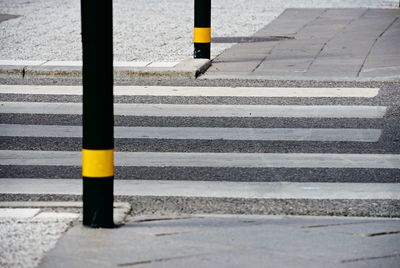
98 114
202 29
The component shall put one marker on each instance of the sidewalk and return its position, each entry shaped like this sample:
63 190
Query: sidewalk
232 241
348 44
143 30
50 234
318 44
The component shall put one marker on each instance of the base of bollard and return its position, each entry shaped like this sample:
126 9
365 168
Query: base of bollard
98 202
202 50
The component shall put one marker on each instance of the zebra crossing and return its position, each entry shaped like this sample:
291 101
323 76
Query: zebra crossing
200 133
324 135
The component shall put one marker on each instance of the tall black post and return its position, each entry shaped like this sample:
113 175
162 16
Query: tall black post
98 114
202 29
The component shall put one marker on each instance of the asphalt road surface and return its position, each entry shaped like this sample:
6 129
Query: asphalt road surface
229 134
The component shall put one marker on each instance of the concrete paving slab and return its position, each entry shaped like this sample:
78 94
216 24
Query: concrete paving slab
290 22
247 51
301 44
372 229
257 57
237 65
229 241
389 73
328 45
342 14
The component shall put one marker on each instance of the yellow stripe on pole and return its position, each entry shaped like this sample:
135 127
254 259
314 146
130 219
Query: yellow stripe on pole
97 163
202 35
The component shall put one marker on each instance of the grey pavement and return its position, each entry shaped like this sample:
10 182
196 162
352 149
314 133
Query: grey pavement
144 30
28 230
322 44
232 241
319 44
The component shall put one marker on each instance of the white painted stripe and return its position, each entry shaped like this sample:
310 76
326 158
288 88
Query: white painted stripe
63 63
212 189
228 160
21 62
199 91
40 108
203 110
199 133
161 64
19 213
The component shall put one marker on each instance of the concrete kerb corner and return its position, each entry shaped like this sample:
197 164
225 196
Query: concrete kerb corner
16 69
189 69
121 209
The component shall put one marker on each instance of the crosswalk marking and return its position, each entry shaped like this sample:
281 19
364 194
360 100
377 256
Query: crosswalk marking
205 110
155 144
272 92
201 133
216 189
227 160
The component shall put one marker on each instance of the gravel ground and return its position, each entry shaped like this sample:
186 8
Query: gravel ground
23 242
147 30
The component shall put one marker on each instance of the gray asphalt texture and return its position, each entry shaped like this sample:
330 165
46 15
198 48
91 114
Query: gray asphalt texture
389 141
167 205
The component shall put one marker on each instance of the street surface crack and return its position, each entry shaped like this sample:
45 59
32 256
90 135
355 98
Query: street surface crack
383 233
335 224
162 219
168 234
372 258
129 264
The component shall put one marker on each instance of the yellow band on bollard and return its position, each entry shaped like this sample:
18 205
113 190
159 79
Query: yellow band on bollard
97 163
202 35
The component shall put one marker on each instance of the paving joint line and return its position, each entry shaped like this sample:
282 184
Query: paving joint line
330 39
281 41
372 46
